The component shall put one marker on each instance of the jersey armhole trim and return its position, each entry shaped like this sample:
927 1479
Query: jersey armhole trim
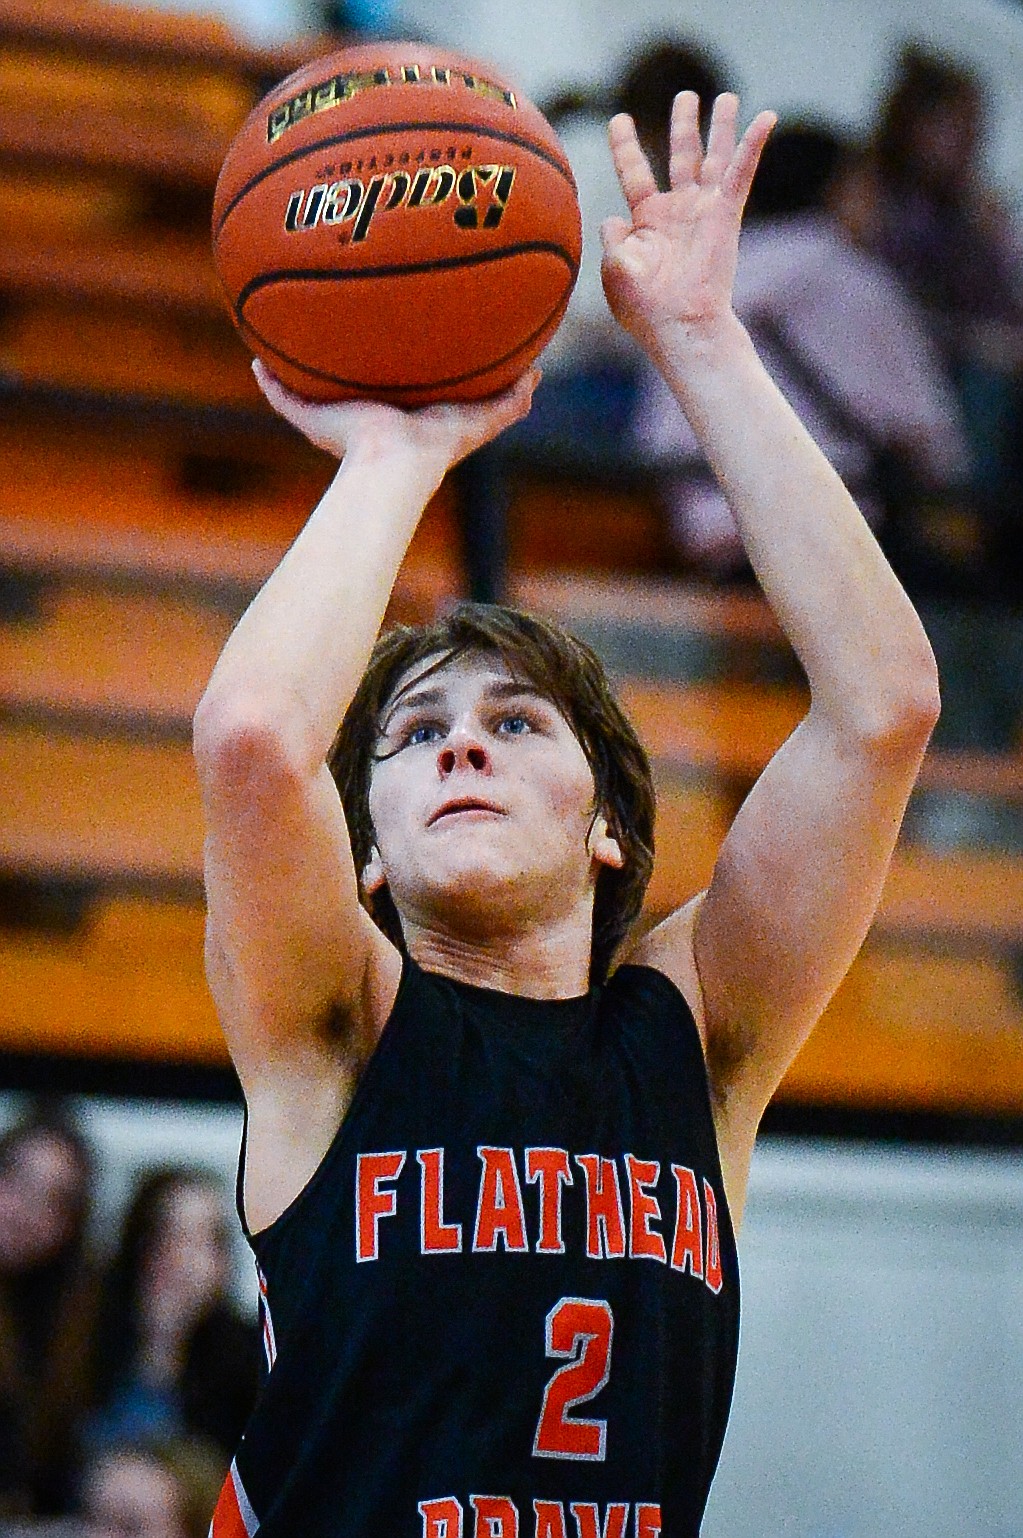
382 1048
678 998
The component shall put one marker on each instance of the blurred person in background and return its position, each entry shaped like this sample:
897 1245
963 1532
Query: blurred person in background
648 83
584 403
951 240
938 221
173 1354
162 1489
47 1293
844 343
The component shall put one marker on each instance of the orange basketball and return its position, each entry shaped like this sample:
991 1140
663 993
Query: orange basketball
398 223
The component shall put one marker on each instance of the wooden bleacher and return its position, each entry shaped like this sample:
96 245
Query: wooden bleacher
912 1025
177 497
99 683
168 273
916 1031
113 128
86 29
132 657
148 491
96 802
127 983
93 647
114 348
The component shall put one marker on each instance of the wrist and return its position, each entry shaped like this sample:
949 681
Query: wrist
697 342
419 468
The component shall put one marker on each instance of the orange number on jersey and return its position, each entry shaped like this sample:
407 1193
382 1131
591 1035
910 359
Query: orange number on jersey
580 1329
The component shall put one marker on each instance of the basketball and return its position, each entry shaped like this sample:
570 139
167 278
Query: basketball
394 222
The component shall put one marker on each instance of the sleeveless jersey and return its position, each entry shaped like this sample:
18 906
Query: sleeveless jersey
506 1304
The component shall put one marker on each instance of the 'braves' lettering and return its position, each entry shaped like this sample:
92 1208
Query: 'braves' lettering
497 1516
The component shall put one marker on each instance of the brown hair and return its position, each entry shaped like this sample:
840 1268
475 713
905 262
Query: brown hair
46 1322
923 82
572 677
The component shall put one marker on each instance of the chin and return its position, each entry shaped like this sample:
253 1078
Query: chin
486 893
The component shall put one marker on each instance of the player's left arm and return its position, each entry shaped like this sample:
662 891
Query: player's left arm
799 876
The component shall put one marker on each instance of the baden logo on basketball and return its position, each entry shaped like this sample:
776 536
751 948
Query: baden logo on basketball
481 197
395 222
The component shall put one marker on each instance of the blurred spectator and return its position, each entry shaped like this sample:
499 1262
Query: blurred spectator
942 228
581 412
844 344
159 1490
173 1355
46 1307
648 84
354 20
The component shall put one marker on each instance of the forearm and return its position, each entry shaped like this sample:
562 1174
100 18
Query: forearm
851 624
298 653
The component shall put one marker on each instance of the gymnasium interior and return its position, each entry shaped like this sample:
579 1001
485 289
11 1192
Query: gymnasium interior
146 493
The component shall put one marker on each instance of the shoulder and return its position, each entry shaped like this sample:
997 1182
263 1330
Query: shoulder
668 951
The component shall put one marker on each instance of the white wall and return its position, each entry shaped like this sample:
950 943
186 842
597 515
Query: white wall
880 1386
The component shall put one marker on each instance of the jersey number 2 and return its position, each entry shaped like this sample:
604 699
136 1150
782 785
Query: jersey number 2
579 1329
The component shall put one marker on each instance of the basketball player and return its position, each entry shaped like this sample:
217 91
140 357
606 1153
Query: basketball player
493 1194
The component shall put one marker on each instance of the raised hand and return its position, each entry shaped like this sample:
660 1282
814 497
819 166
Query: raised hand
672 263
445 433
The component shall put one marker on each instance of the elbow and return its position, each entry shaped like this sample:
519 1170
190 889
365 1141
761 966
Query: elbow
905 713
238 743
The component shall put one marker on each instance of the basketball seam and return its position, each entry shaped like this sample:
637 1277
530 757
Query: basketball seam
425 385
403 269
378 128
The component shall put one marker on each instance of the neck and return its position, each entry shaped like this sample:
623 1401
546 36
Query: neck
548 963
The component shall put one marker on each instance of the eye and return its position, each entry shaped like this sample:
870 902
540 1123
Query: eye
515 726
418 736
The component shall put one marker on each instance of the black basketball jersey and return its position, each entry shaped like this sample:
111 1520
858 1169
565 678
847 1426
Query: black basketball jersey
506 1304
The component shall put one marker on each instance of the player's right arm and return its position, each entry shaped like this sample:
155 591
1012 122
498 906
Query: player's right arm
302 979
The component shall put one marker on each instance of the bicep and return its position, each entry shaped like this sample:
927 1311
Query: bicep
290 950
794 891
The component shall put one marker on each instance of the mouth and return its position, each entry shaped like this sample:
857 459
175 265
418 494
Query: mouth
463 806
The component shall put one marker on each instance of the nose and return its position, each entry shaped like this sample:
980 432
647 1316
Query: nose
463 752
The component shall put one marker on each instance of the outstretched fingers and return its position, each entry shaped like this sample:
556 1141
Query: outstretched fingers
686 148
738 179
720 140
635 177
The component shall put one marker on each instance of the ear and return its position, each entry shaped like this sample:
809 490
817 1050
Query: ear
373 877
602 844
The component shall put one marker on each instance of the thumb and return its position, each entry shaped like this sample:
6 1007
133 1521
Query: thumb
625 248
613 232
279 396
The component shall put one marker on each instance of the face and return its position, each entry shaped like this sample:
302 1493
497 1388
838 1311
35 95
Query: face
482 803
40 1197
130 1495
188 1264
944 141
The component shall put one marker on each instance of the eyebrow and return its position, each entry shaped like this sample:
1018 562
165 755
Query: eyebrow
501 689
